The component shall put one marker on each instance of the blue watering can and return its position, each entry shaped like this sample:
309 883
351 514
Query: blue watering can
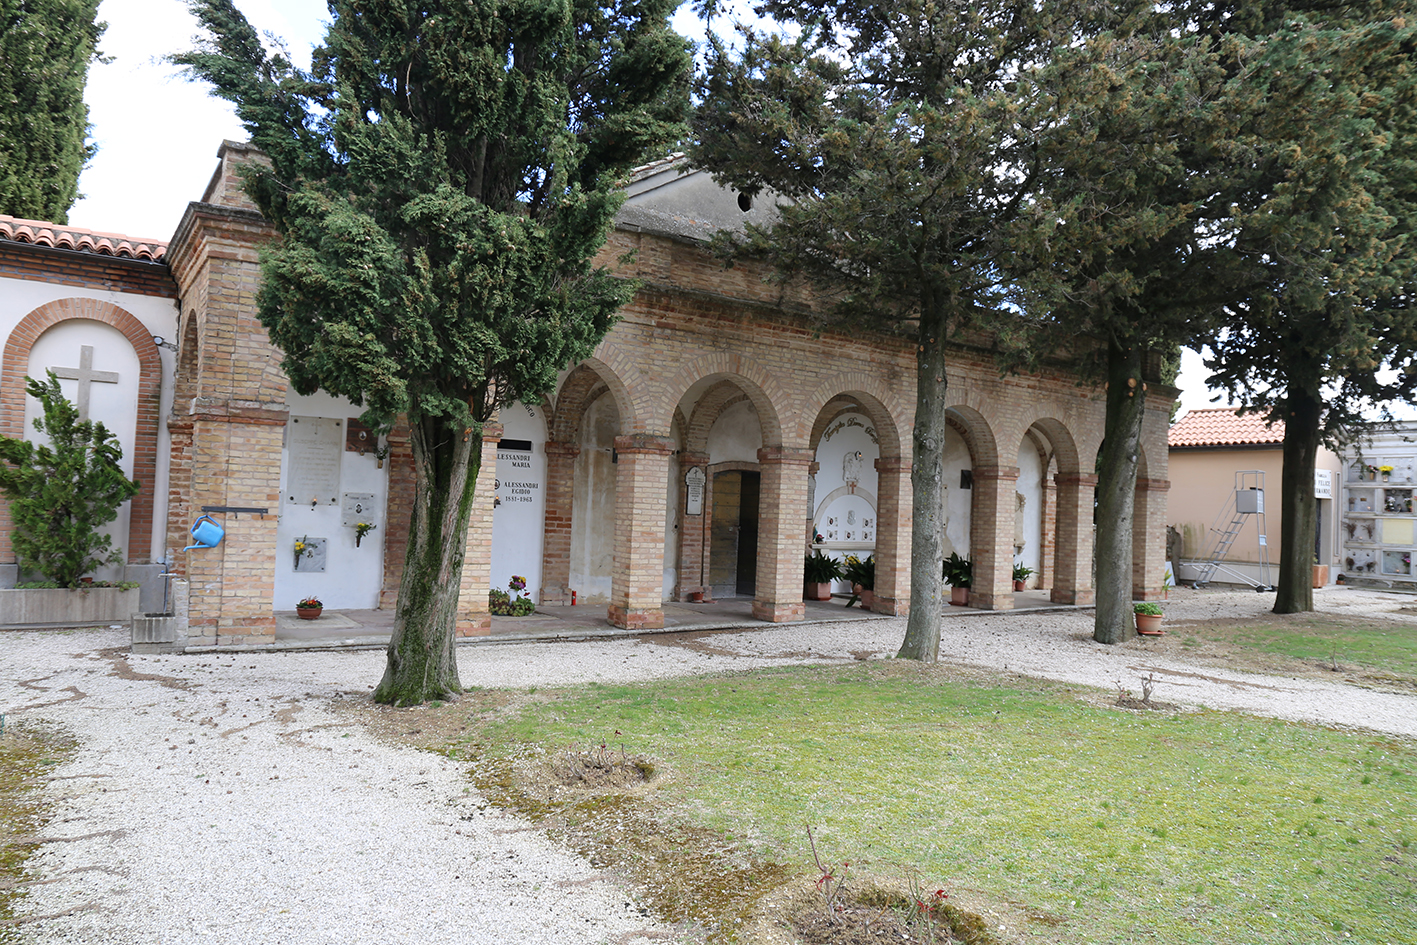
206 533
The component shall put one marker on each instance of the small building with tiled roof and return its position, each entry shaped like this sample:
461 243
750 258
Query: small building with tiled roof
1208 448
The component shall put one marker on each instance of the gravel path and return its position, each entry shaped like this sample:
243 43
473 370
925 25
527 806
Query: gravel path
221 799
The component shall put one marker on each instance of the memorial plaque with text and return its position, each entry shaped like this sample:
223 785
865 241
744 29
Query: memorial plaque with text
316 446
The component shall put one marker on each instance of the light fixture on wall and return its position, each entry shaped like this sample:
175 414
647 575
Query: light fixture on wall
162 343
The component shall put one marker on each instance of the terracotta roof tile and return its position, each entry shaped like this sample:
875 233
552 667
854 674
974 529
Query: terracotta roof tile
80 240
1222 426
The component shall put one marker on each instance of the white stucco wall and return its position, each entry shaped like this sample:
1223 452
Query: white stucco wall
736 436
958 503
593 518
1030 524
352 576
518 521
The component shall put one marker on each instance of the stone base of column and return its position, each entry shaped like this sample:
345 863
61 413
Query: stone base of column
780 613
246 631
635 619
1084 598
555 597
982 601
479 625
891 606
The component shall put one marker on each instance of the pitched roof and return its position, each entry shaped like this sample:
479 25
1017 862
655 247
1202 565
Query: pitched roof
1223 426
80 240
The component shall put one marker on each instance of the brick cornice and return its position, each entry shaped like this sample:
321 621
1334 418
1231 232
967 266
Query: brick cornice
644 443
987 473
785 456
235 411
1154 485
1075 479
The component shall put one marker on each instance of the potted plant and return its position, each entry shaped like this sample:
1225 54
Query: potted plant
1148 616
818 572
1320 573
1021 574
862 575
959 574
309 608
503 604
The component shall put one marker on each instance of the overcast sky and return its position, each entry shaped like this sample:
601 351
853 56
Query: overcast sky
158 133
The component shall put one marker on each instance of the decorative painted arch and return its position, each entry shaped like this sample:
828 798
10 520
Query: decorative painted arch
760 385
12 400
583 385
872 396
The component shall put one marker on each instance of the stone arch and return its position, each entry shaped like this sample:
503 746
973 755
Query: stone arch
1063 446
586 382
760 385
723 394
974 429
12 401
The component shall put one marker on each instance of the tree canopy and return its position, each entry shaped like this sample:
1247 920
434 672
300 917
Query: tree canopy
902 142
441 178
46 46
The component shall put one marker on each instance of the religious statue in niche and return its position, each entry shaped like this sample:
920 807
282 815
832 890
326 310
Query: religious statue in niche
851 469
1020 503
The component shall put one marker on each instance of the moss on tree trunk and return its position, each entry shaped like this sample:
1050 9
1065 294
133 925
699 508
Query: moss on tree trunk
1295 591
1116 492
922 627
422 660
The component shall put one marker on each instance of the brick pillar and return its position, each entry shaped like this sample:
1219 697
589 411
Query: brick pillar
236 462
474 618
560 499
694 531
1048 548
894 508
991 538
637 587
1072 558
782 506
1149 539
179 493
399 514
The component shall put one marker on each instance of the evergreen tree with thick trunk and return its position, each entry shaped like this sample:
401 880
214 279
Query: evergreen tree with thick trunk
46 47
900 141
1326 328
440 180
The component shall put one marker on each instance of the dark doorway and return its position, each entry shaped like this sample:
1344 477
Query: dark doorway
733 549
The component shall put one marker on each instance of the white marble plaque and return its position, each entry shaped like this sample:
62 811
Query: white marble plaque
315 452
356 507
694 481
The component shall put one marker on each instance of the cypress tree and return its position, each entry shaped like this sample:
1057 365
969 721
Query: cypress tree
46 47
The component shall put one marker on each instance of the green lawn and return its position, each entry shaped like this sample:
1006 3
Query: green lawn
1102 825
1385 645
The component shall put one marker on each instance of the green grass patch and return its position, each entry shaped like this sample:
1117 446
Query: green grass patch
28 753
1103 825
1387 646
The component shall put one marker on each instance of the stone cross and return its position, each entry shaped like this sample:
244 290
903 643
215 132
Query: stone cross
86 376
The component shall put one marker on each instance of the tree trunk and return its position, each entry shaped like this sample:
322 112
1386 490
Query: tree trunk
1116 492
422 665
922 627
1297 505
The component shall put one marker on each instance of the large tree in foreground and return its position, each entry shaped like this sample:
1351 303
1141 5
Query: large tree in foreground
1139 262
900 140
1325 229
46 47
440 181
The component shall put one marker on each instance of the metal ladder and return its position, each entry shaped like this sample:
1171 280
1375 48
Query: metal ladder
1246 501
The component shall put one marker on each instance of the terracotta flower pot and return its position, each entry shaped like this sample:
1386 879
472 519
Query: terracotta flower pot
1320 575
308 613
959 596
1018 585
1149 625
